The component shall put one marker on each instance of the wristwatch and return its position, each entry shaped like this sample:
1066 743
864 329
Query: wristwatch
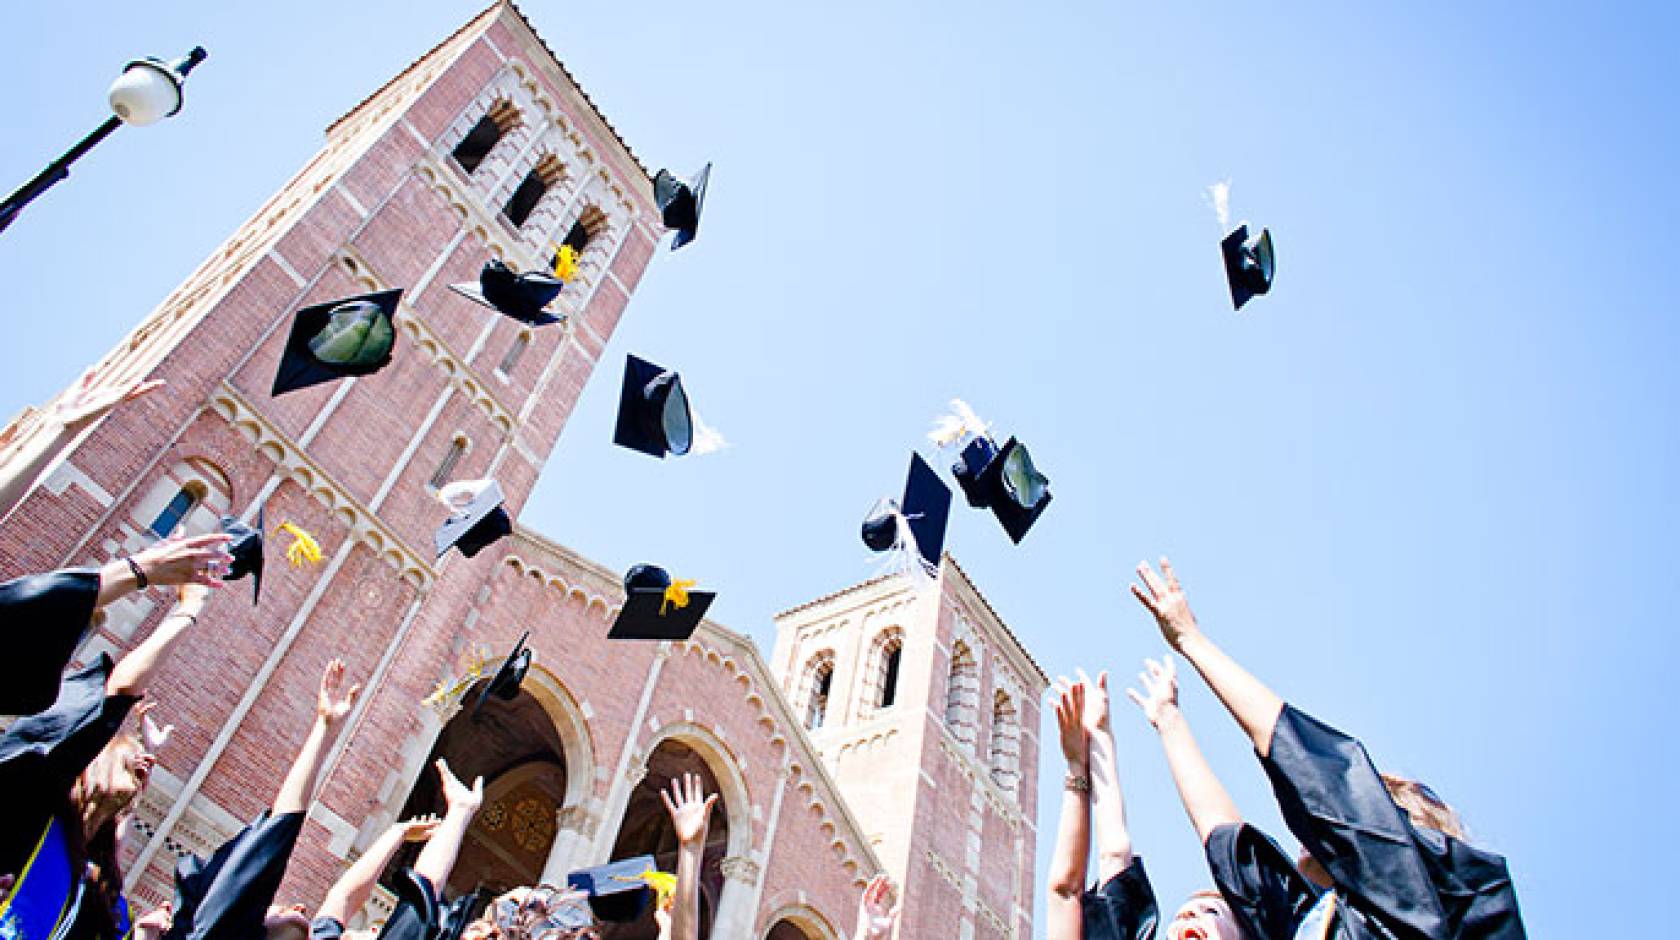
1078 782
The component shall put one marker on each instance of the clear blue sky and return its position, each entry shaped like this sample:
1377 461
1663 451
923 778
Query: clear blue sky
1426 488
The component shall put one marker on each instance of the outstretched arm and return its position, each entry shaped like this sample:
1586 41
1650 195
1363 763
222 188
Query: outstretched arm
1108 805
1250 702
298 789
133 673
198 559
351 892
877 916
437 859
1073 835
69 416
691 813
1204 797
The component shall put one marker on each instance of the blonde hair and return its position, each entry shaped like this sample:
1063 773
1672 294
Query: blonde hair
1426 809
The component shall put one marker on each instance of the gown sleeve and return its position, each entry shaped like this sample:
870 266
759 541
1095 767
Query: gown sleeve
418 909
45 752
1335 802
42 618
1266 892
1123 908
226 896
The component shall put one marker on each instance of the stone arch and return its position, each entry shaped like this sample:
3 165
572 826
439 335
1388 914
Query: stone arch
962 694
881 671
816 684
799 922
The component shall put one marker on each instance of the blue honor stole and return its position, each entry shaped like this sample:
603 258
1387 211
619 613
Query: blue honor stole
48 893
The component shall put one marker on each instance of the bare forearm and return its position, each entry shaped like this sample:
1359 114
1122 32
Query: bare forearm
685 909
1204 797
1108 807
116 579
24 465
437 859
351 892
1073 838
296 791
1250 702
133 673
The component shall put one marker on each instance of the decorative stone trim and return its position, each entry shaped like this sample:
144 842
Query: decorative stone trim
292 461
737 868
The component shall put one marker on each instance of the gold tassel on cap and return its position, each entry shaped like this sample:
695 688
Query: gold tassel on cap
304 549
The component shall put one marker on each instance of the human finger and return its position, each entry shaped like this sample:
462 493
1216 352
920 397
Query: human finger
1156 586
1148 601
1167 572
143 388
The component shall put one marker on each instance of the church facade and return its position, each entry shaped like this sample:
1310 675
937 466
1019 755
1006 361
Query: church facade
892 728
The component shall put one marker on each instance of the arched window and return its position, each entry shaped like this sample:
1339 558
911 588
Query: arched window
477 144
578 238
962 694
188 496
516 349
591 224
1006 742
548 172
884 657
819 683
446 468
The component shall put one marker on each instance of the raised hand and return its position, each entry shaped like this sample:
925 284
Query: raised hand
85 404
690 808
456 793
1160 690
330 706
1096 702
154 737
198 559
876 919
1070 711
156 923
1165 599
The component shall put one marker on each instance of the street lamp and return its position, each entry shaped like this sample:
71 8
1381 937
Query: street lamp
147 91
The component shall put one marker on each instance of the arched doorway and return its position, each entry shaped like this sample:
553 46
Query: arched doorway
516 748
646 830
787 930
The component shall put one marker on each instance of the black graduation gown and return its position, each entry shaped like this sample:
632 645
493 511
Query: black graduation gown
226 896
41 756
1391 879
1123 908
42 617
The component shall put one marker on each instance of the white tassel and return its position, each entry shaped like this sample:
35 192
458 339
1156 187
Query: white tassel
1219 196
958 426
707 440
905 559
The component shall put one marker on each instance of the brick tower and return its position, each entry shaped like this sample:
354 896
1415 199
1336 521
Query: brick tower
925 709
484 147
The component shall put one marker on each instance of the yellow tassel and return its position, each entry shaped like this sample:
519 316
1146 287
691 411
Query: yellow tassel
565 262
304 549
677 594
664 885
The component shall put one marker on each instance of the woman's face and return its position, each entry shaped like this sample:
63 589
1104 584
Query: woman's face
121 771
1205 916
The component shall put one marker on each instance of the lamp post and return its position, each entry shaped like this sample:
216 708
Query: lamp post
147 91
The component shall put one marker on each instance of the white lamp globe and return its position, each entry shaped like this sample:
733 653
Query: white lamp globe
146 92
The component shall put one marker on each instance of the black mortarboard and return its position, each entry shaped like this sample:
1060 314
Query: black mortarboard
1249 263
970 464
653 413
337 339
476 516
679 203
926 507
616 891
648 614
1015 490
524 297
505 683
247 551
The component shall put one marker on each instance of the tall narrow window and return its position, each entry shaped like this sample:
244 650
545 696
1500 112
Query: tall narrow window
515 350
1005 742
889 675
474 147
821 679
578 237
962 694
525 199
446 469
182 503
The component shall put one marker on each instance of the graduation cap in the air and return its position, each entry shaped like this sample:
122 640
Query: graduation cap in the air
247 551
524 297
679 203
338 339
915 524
1249 263
505 683
658 608
617 892
653 412
1014 489
476 517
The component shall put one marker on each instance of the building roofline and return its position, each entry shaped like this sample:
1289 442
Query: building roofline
481 21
